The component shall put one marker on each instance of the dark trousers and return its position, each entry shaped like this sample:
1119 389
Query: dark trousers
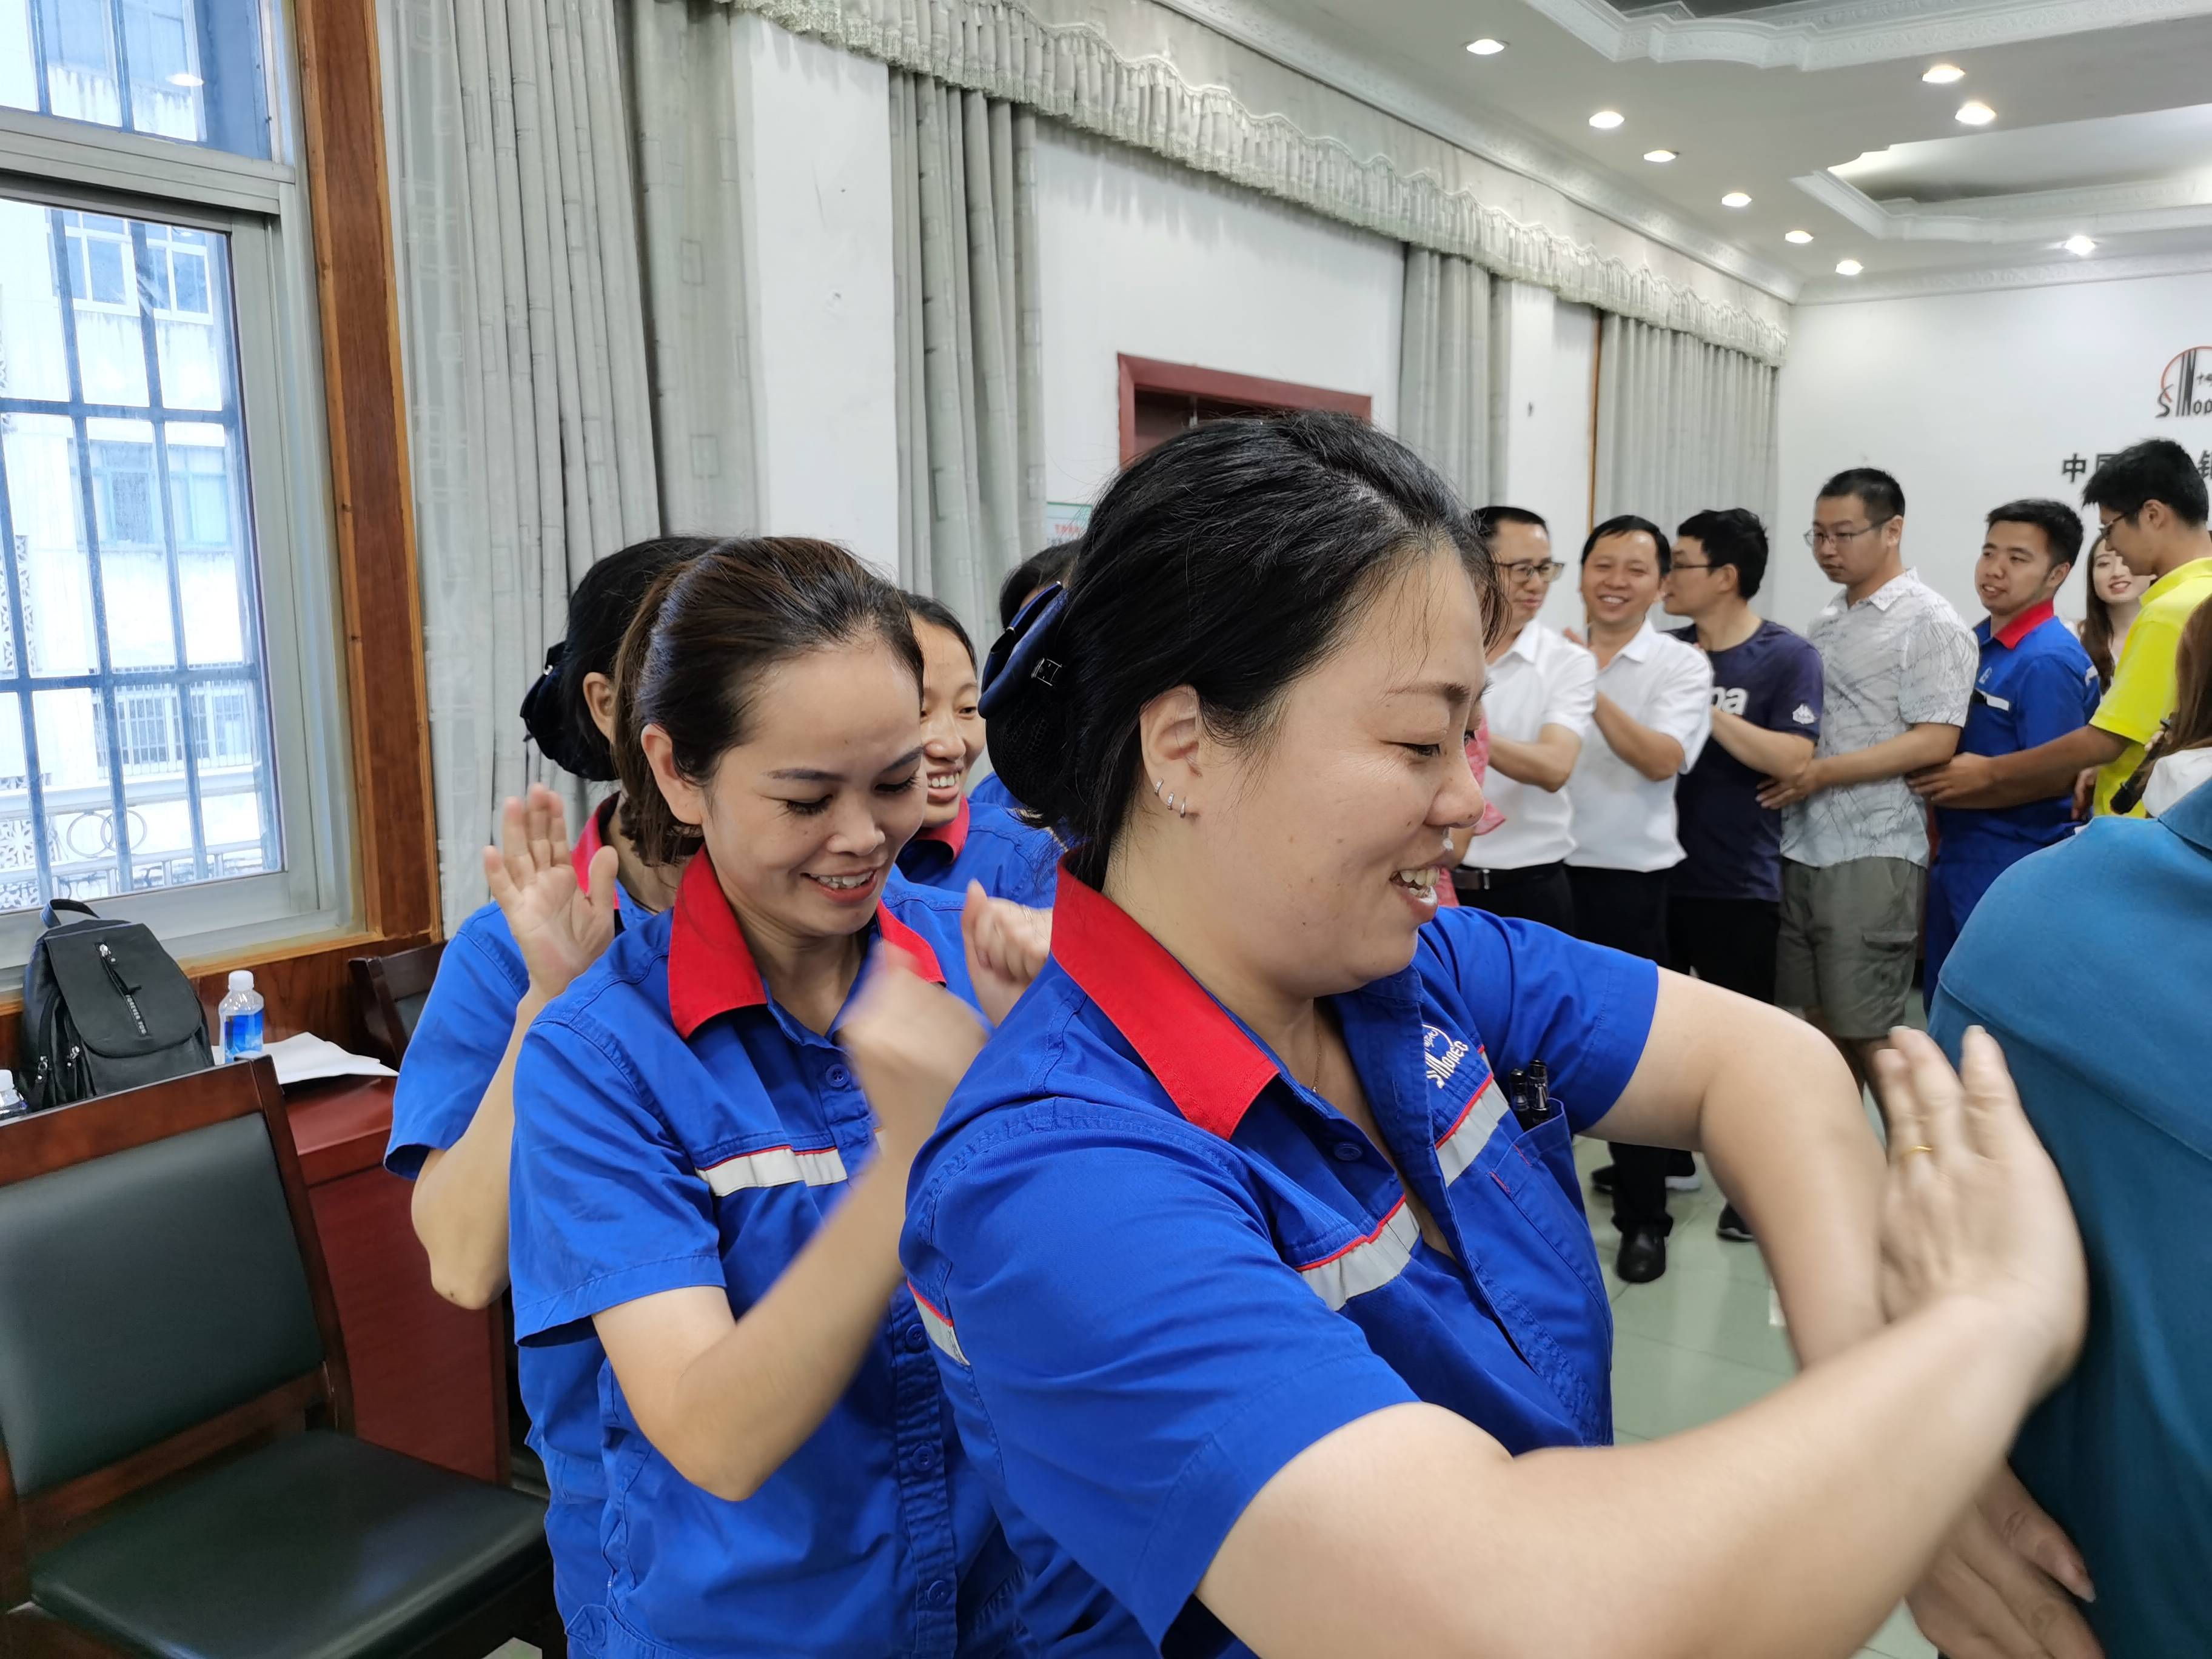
1725 942
1626 909
1538 893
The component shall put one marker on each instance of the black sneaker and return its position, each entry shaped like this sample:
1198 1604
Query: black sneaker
1734 1228
1677 1181
1643 1255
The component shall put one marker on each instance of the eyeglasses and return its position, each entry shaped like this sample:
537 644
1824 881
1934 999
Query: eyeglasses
1817 537
1548 571
1684 564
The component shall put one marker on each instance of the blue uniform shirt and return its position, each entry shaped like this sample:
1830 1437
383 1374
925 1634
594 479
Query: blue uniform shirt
989 844
466 1022
991 791
674 1127
2088 964
2036 683
1157 1268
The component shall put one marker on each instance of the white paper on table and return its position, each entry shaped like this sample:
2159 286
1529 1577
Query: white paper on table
304 1058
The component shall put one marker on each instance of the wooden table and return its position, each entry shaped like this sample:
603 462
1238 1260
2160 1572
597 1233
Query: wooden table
429 1378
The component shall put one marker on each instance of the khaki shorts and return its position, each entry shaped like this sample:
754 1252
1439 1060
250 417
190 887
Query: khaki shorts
1850 933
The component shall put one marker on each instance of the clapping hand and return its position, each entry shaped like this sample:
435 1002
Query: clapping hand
1007 944
911 1043
559 928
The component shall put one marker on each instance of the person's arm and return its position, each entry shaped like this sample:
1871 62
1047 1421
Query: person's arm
1671 734
1546 764
2043 773
1570 702
1913 750
1778 754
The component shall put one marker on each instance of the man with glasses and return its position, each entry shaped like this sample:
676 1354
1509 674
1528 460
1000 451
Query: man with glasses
1899 670
1541 696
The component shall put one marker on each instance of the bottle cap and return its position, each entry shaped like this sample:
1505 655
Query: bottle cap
7 1083
241 979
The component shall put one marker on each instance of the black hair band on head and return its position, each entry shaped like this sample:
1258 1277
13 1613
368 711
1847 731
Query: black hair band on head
1026 652
540 704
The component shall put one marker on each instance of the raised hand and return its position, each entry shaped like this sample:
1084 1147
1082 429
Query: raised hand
910 1042
1007 944
560 928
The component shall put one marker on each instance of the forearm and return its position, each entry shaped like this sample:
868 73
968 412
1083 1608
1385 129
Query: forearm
736 1414
1654 753
459 1205
1544 764
1778 754
2042 772
1909 751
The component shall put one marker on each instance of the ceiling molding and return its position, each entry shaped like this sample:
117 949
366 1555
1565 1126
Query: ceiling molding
1846 201
2024 216
1918 284
1494 138
1824 34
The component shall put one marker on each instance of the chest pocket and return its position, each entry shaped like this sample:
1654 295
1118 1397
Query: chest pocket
769 1203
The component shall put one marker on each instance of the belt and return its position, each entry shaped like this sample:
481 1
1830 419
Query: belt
1468 878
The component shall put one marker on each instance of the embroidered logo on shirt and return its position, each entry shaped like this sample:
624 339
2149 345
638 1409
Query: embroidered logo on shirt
1802 714
1443 1052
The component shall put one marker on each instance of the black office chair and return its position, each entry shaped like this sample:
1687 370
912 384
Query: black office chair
180 1476
388 993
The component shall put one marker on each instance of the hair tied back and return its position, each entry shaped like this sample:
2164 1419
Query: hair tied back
1025 653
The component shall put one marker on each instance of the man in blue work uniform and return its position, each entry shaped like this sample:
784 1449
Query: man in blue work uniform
2035 684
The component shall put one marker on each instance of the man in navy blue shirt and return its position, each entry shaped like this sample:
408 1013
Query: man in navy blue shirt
2035 684
1724 907
2088 964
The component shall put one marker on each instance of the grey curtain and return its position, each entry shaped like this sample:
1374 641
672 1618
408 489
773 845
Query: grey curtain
968 342
1681 425
572 338
1443 369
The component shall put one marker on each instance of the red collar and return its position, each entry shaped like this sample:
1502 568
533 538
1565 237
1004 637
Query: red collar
953 832
594 838
2024 624
710 966
1211 1069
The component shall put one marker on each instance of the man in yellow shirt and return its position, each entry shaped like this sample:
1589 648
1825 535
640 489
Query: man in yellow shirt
2152 501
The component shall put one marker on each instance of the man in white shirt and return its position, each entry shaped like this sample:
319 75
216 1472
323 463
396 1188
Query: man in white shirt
1542 693
1653 713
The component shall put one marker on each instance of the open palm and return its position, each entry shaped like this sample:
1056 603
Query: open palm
560 927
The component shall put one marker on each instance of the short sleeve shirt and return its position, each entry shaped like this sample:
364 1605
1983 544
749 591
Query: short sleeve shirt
1731 845
2036 684
1543 679
1622 819
675 1127
1898 659
2143 691
989 844
1155 1268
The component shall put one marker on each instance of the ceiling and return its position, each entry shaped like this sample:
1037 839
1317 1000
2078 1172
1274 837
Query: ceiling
1816 109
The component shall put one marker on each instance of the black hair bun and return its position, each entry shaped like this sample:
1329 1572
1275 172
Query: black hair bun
1028 706
546 714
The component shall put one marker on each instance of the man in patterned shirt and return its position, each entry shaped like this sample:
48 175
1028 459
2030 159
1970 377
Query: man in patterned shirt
1899 666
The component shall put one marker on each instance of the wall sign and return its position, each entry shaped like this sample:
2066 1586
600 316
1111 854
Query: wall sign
2185 387
2077 466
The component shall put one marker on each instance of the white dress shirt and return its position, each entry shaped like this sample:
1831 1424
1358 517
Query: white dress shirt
1543 679
1624 820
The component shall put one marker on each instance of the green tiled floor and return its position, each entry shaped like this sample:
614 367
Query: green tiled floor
1701 1341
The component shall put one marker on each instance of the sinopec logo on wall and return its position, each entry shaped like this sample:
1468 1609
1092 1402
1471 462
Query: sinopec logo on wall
2185 388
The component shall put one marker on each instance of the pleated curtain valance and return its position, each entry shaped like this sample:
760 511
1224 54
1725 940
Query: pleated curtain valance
1193 95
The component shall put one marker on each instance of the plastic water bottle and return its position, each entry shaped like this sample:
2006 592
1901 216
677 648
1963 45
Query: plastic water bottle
239 1016
11 1104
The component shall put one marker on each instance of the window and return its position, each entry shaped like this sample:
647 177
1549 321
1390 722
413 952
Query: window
171 722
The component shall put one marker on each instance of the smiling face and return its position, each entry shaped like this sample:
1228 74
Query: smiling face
2116 584
952 724
1342 811
803 819
2015 571
1523 555
1620 579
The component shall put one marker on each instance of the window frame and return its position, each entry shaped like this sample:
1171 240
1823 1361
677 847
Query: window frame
278 313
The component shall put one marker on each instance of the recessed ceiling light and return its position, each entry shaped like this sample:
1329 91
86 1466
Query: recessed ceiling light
1659 154
2080 246
1848 267
1486 47
1735 198
1943 75
182 79
1800 237
1976 114
1607 119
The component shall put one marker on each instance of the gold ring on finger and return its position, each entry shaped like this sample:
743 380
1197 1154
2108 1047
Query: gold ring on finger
1909 1152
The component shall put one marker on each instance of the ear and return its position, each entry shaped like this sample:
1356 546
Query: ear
1171 739
599 699
1893 533
687 801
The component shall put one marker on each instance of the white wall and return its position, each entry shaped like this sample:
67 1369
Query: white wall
818 268
1144 258
1973 400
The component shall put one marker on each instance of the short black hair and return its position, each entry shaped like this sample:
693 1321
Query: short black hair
1487 519
1731 536
2060 524
1627 523
938 614
1881 494
1041 569
2155 470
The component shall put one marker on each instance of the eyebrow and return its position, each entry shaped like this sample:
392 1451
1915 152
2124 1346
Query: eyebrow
1448 690
815 775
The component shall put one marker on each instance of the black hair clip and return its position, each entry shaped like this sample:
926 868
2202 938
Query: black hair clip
1020 654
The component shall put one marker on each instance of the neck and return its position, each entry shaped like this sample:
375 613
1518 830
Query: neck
1506 644
809 974
1889 570
2185 549
1606 639
2123 614
648 884
1727 625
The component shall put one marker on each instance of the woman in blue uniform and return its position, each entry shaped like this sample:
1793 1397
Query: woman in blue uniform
1252 1246
698 1180
962 839
452 1111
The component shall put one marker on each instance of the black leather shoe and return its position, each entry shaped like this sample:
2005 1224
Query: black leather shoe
1733 1227
1643 1255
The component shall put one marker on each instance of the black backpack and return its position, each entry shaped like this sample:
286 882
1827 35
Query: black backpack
104 1008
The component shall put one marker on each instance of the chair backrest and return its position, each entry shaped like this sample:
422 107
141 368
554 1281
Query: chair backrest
389 992
163 1296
